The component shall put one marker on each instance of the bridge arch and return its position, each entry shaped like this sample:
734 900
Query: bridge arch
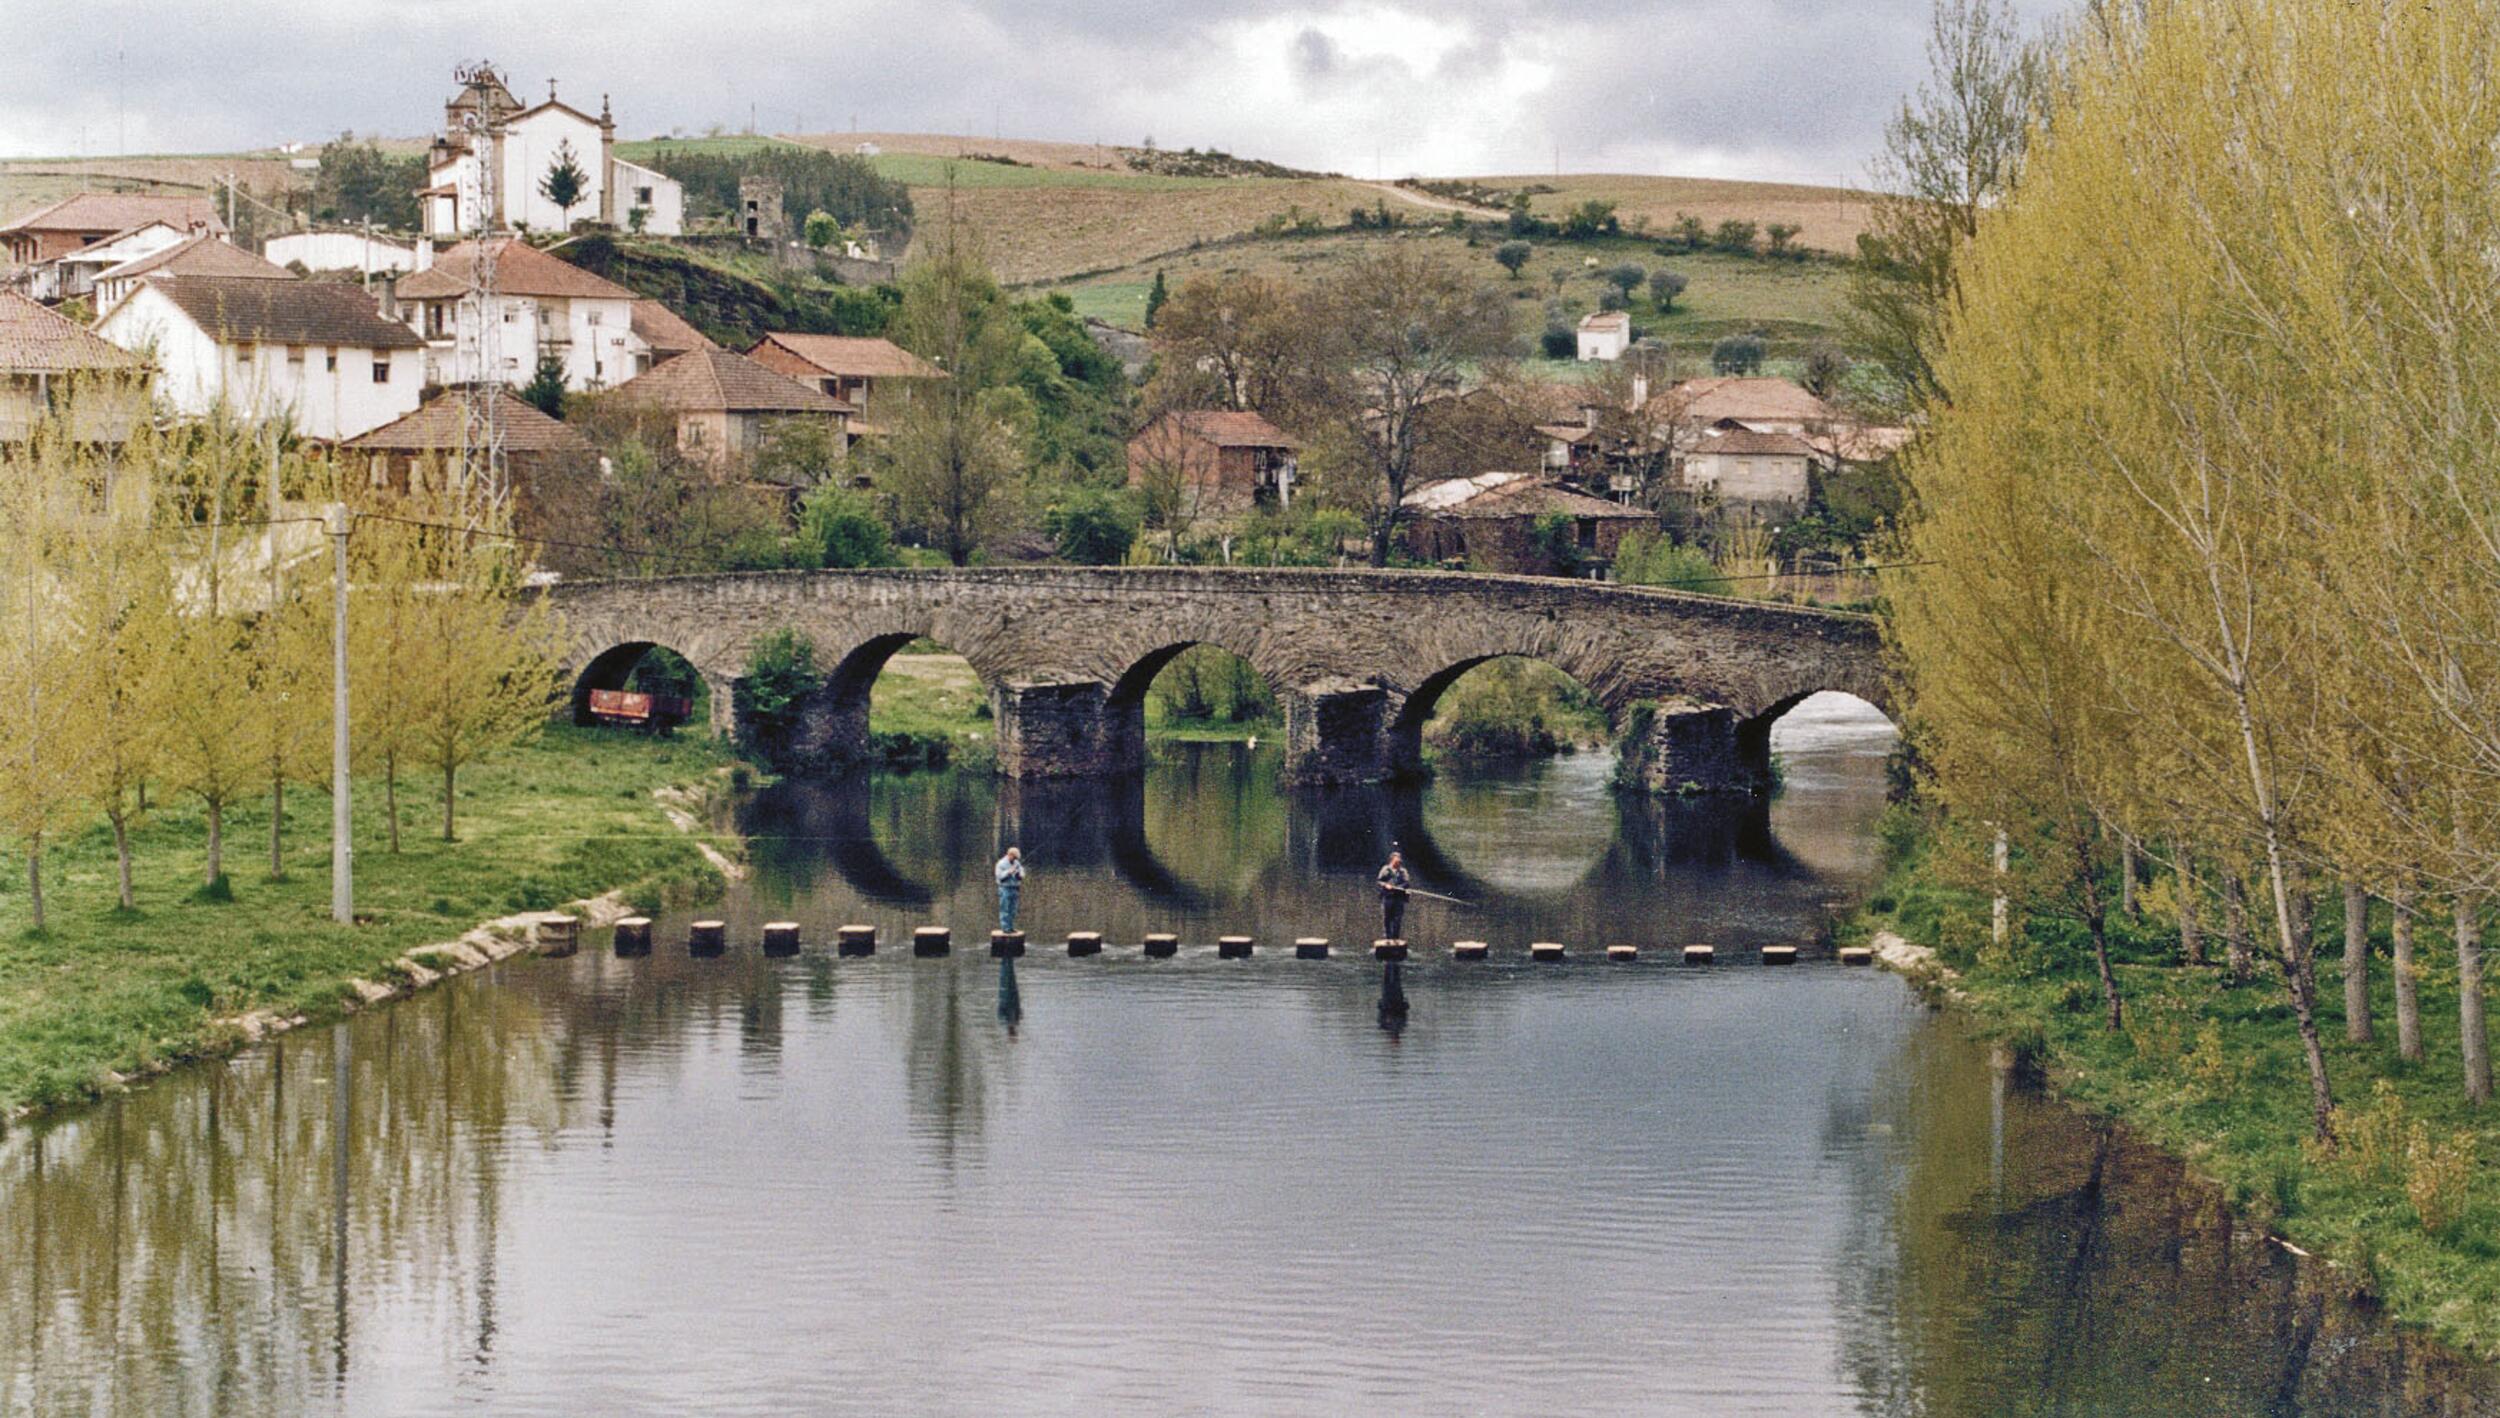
615 666
1406 727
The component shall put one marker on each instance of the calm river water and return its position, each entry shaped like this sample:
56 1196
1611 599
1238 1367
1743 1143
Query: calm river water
898 1186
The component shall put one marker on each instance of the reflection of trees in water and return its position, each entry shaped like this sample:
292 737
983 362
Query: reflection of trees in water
949 1100
2105 1280
184 1248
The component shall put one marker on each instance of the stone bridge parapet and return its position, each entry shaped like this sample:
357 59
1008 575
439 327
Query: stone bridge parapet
1357 658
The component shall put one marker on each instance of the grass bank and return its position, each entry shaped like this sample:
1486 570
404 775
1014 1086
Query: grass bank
102 992
2406 1208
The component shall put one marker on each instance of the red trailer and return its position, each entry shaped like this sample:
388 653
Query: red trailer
652 713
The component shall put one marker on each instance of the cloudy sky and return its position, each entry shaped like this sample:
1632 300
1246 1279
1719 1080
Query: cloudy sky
1776 89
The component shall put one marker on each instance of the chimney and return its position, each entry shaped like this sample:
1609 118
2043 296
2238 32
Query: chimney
1640 390
425 253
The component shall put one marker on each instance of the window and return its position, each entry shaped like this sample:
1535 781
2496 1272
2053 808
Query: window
642 196
594 317
1588 534
381 371
331 360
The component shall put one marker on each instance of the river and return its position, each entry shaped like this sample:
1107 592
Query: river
899 1186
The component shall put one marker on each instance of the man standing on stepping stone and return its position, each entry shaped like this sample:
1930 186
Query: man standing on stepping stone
1010 874
1393 886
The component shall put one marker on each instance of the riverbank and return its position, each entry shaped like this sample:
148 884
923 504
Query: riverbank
103 995
2406 1209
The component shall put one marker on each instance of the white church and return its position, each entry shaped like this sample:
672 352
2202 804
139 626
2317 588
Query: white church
486 129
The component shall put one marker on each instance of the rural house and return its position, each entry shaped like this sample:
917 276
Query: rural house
848 367
1605 335
1763 404
73 275
1518 523
313 351
725 405
46 358
541 303
531 143
201 255
1741 464
49 233
665 334
1228 461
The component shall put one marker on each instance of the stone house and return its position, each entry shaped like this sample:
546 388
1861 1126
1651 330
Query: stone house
1228 461
46 358
541 303
316 352
725 405
850 368
1742 464
1491 522
523 146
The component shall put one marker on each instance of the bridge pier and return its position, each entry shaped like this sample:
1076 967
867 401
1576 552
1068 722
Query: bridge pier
1341 732
1684 747
1063 729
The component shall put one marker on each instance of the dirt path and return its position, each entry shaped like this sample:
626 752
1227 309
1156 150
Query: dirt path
1427 201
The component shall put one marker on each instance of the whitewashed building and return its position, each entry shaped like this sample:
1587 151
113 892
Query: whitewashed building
73 275
356 251
531 143
202 255
1605 335
315 352
540 303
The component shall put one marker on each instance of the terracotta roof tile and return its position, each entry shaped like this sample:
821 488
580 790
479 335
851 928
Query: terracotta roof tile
716 380
1229 428
1512 495
235 308
202 255
119 211
1706 401
666 331
34 340
1750 442
855 356
520 269
441 423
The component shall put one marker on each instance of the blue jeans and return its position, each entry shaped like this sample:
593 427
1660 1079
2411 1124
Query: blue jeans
1008 893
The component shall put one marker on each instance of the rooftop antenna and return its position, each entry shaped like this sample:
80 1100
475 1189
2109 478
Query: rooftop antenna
482 469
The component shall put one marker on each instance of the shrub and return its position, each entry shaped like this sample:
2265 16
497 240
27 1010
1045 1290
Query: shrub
1648 558
838 530
780 674
1559 342
1626 276
1665 286
2437 1176
1591 218
820 230
1735 237
1093 526
1782 237
1686 233
1513 255
1738 354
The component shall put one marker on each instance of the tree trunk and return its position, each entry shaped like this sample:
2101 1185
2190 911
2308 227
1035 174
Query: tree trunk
390 796
121 856
449 782
2408 985
216 840
277 829
2126 876
34 879
2293 923
2191 930
2473 1044
2356 962
2095 918
2242 947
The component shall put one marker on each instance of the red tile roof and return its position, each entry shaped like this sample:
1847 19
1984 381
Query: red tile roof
119 211
1512 495
246 308
1748 442
716 381
441 423
34 340
1706 401
853 356
1229 428
666 331
202 255
520 269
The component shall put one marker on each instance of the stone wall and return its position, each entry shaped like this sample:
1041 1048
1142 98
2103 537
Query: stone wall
1357 657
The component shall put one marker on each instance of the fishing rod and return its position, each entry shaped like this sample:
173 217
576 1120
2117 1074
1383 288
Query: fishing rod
1437 896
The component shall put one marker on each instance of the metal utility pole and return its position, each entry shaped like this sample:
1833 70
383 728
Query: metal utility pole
342 813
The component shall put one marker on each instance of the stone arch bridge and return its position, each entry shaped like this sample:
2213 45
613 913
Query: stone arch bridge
1357 658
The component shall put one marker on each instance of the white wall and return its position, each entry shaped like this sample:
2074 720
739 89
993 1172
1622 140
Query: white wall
1604 344
339 251
597 337
668 200
529 149
1749 477
263 381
